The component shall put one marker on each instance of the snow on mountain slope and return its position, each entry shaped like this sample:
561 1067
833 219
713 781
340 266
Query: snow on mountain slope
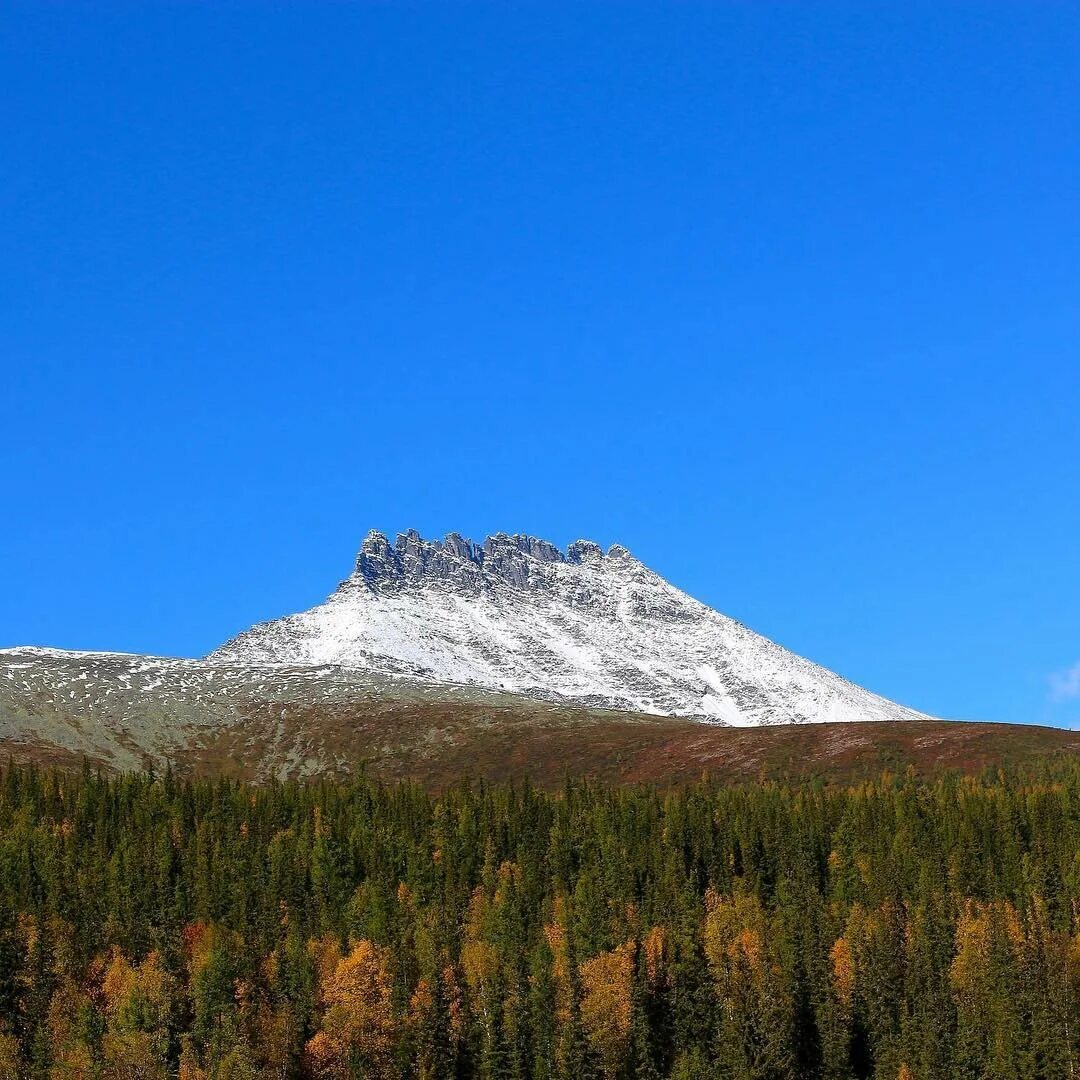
516 614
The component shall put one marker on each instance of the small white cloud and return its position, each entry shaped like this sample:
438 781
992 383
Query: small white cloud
1065 685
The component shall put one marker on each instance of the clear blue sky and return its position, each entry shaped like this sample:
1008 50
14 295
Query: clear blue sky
783 297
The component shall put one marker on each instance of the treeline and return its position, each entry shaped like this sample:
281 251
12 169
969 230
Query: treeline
901 929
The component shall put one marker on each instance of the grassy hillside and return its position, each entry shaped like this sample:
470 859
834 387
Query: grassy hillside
436 742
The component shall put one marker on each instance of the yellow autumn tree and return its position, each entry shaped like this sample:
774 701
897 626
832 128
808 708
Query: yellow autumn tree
138 997
118 984
455 1003
755 1003
190 1069
325 954
71 1057
74 1063
558 942
10 1063
990 952
606 1005
138 1000
479 958
655 948
198 938
358 1025
733 931
837 1013
969 970
843 972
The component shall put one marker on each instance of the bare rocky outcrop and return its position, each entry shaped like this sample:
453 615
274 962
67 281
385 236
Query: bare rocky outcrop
501 559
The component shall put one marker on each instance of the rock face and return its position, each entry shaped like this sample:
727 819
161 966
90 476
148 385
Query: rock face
455 560
516 614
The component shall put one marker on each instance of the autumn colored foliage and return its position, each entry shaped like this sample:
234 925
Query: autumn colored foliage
898 929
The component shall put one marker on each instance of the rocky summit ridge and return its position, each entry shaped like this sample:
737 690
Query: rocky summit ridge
501 558
517 614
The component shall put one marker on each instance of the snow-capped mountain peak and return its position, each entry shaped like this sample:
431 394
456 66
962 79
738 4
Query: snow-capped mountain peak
515 613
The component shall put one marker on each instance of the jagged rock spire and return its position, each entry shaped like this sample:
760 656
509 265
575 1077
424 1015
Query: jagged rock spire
517 559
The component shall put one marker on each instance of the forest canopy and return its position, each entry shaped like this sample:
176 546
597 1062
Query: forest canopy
900 928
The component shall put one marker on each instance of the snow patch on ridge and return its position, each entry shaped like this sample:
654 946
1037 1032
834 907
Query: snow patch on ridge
718 702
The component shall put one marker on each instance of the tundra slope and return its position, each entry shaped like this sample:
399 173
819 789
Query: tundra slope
128 711
515 614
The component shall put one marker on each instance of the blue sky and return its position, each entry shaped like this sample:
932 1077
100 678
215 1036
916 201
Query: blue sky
783 297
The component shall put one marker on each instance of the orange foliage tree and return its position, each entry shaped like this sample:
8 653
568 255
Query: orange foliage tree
358 1026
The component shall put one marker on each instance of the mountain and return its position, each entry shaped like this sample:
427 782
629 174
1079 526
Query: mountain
437 659
516 614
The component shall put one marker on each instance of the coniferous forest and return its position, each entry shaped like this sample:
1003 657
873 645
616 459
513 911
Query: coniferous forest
896 928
